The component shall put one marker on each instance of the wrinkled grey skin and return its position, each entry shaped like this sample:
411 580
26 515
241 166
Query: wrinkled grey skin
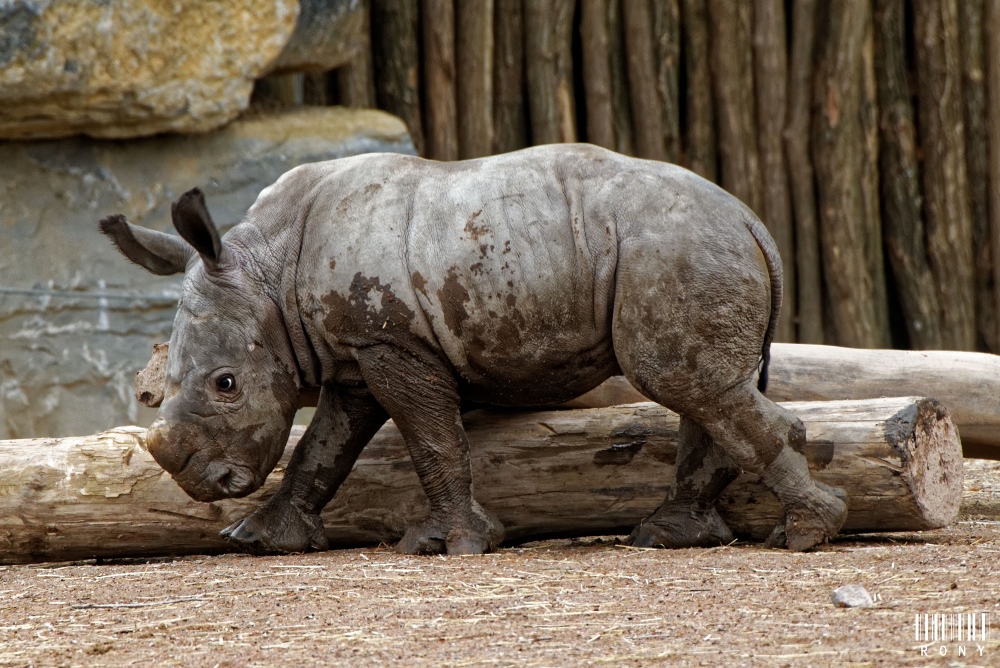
404 287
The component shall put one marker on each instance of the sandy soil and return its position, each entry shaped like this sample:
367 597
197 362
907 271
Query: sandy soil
583 602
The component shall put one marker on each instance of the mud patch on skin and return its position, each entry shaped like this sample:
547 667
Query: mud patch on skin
419 283
508 333
357 314
819 454
473 230
796 440
453 297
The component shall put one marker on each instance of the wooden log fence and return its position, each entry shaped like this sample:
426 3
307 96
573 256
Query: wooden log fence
858 130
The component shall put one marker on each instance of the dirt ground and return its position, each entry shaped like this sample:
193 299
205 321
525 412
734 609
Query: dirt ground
582 602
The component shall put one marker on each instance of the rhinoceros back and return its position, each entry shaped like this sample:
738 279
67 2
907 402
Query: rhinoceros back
505 267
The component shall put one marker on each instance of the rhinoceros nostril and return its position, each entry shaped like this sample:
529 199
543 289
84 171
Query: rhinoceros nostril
225 480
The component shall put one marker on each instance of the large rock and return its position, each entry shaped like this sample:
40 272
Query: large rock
130 68
77 321
327 35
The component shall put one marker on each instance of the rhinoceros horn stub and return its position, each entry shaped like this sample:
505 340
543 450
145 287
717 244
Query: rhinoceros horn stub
151 381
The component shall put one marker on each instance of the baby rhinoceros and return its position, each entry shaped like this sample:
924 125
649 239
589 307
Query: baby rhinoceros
403 288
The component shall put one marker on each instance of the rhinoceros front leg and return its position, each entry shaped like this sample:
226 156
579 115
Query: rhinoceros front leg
290 520
421 397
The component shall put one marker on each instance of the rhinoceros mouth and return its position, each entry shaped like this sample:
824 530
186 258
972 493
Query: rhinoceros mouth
220 480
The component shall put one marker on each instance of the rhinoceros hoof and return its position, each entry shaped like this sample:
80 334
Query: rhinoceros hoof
478 534
278 527
683 528
815 521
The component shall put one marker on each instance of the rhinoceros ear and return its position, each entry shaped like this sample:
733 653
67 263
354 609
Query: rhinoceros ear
160 253
194 224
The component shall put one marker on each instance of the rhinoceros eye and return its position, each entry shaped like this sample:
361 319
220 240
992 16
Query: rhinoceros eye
226 383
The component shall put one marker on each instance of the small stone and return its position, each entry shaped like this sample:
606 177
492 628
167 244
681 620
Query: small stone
852 596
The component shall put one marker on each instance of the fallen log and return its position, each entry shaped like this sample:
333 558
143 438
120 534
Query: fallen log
967 383
583 472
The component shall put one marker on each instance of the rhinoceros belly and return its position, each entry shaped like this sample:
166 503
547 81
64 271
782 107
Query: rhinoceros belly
516 276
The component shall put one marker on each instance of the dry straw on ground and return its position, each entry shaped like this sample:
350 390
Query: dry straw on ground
555 603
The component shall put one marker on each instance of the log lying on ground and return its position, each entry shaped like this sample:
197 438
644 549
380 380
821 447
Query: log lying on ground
967 383
580 472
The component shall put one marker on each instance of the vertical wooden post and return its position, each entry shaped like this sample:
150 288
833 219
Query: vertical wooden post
397 62
732 75
771 82
667 41
839 153
873 241
991 23
801 176
903 226
475 78
597 72
314 89
356 80
281 90
510 131
977 164
624 135
439 74
942 138
699 131
647 120
548 49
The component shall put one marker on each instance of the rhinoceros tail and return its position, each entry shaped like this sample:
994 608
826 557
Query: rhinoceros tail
773 260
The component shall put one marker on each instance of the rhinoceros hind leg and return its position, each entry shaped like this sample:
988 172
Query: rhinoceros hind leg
766 439
806 532
711 379
421 397
688 518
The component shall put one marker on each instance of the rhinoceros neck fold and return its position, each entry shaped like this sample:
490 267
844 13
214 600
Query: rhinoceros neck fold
288 304
272 245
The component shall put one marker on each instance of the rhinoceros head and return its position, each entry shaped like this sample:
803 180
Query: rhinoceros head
231 385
